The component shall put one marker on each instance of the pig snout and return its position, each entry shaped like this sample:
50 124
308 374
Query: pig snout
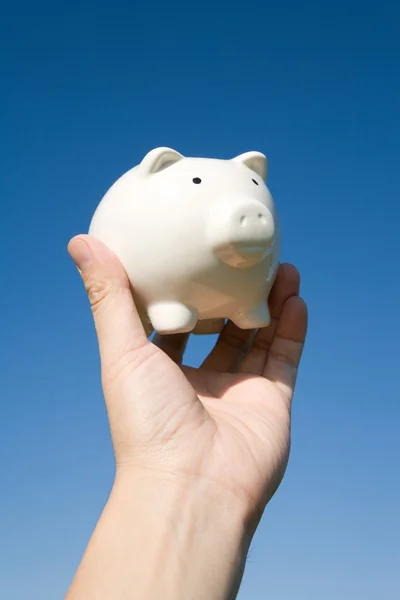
243 235
252 224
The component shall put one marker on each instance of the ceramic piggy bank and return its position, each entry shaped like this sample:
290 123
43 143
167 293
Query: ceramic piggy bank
198 237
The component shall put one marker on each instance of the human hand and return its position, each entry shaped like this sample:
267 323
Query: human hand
222 430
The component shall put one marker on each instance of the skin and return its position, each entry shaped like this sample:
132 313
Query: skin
199 452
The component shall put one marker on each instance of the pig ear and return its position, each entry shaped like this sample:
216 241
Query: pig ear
256 161
158 159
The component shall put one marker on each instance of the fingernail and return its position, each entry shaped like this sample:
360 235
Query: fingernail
80 253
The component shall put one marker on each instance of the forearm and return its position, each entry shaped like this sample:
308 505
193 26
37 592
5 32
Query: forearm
162 539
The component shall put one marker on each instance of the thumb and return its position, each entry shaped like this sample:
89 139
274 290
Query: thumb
120 332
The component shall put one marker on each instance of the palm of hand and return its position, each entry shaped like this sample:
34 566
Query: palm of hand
229 420
247 445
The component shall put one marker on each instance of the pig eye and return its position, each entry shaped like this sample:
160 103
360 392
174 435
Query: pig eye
254 181
196 180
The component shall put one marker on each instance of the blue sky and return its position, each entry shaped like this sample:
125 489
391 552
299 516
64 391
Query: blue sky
86 91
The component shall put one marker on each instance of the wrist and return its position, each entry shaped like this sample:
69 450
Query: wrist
164 536
193 535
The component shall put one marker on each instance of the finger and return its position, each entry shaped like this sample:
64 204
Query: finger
287 346
173 345
287 284
118 325
231 346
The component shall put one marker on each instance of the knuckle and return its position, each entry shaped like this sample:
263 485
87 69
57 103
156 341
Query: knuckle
263 345
98 292
235 340
286 360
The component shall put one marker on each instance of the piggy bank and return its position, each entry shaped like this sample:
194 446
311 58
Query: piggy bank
199 239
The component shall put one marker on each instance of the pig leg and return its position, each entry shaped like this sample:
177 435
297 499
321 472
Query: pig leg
254 318
172 317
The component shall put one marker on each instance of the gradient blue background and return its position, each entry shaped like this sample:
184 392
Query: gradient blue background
86 91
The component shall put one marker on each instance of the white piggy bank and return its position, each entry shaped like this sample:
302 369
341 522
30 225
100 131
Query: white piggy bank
198 237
